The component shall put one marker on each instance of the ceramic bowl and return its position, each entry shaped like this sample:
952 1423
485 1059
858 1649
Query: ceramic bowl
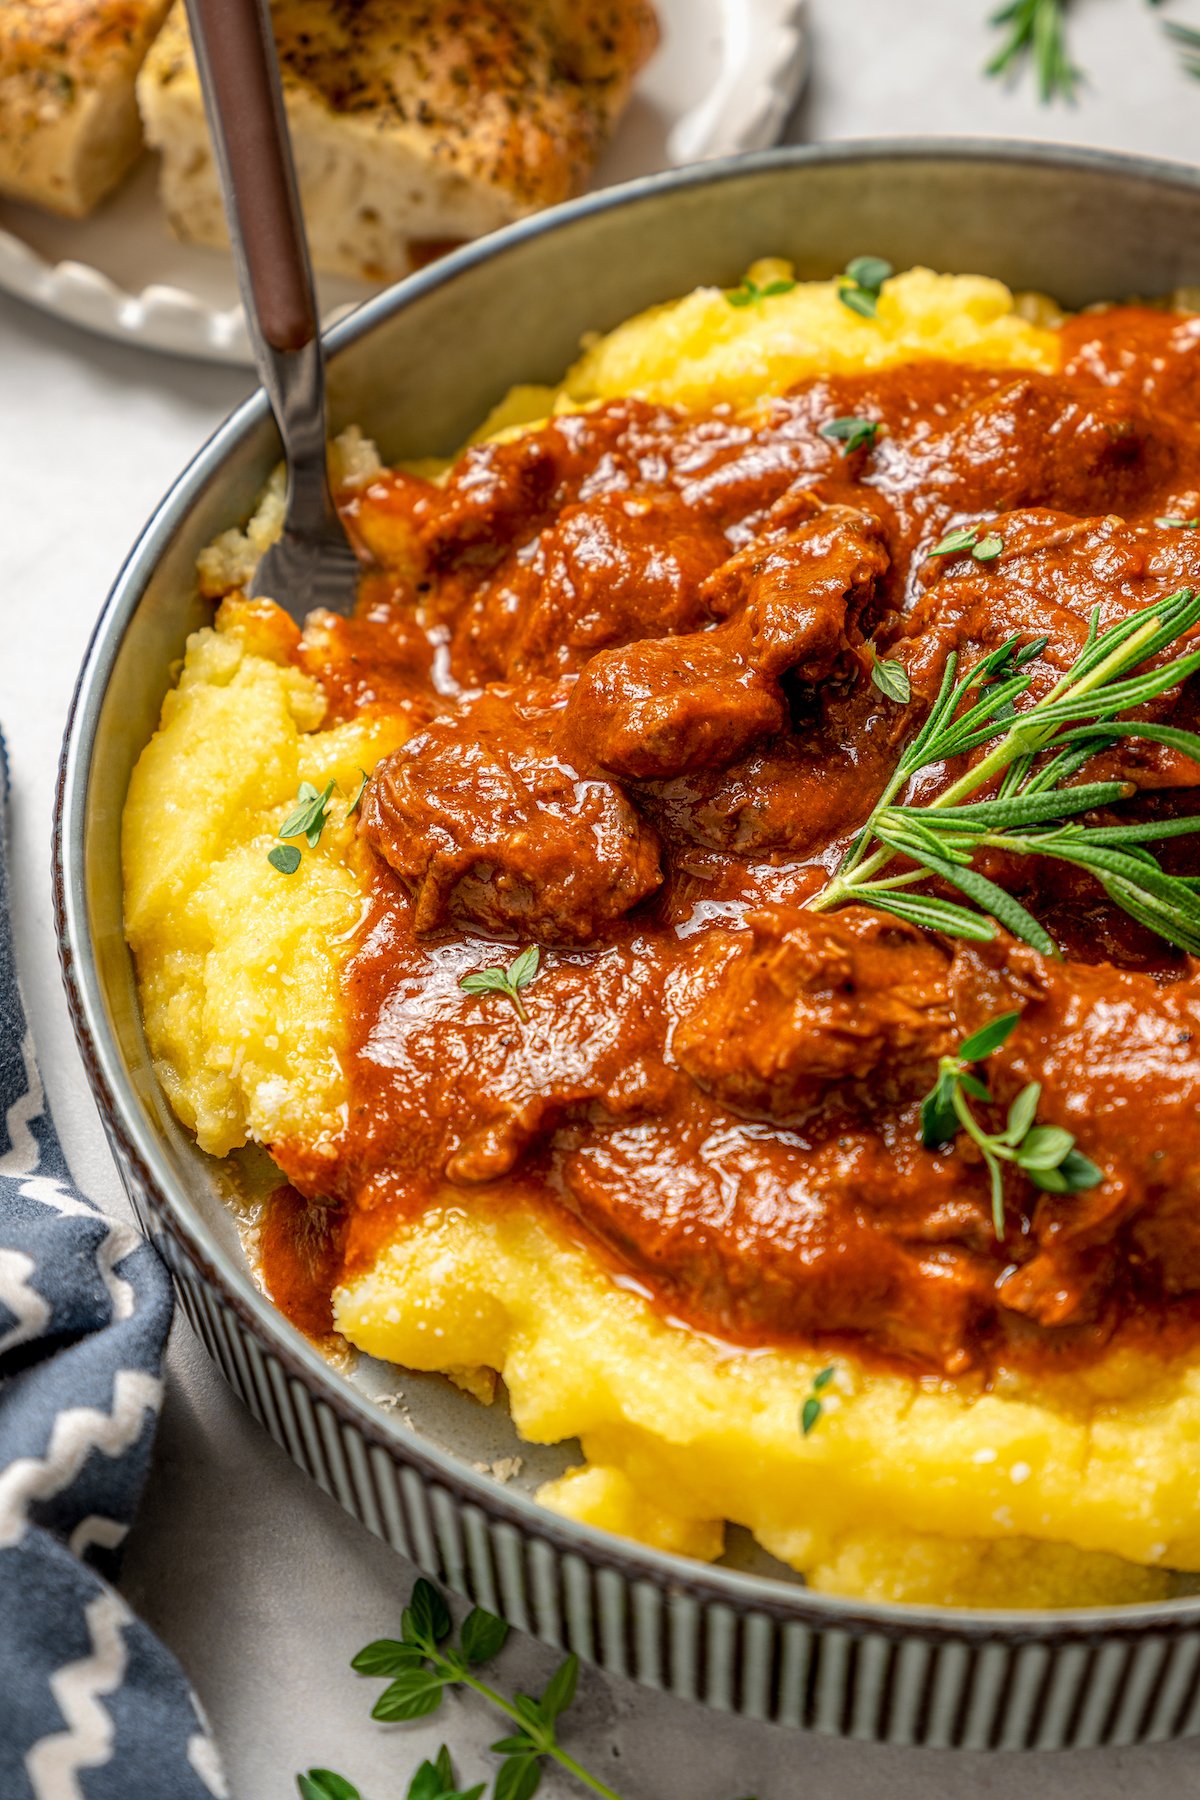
408 1455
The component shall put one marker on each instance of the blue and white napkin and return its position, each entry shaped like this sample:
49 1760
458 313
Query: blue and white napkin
92 1706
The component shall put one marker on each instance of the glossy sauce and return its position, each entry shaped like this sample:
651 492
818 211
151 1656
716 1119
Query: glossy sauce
633 644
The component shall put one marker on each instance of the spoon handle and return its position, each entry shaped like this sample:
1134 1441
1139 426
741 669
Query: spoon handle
239 76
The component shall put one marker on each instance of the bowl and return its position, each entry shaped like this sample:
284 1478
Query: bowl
408 1455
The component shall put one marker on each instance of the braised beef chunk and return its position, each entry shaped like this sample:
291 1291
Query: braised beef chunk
1117 1054
656 710
490 827
1044 442
751 1242
801 595
1152 353
797 795
852 1004
670 705
615 568
504 491
639 651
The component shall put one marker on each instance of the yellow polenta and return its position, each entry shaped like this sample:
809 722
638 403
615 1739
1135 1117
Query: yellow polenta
237 967
1073 1490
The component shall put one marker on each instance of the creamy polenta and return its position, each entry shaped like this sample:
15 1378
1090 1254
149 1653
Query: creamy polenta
1056 1484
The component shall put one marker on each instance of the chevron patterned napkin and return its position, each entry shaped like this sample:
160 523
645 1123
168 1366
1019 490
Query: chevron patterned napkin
92 1706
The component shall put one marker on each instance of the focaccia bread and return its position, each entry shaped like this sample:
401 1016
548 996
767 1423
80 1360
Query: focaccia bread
414 125
69 125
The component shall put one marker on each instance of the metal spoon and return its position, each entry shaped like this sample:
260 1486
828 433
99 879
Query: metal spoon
312 564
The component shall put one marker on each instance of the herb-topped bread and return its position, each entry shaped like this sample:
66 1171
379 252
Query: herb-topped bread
415 123
69 126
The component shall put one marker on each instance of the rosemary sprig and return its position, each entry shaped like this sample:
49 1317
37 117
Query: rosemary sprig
1028 757
1036 31
1186 40
1046 1153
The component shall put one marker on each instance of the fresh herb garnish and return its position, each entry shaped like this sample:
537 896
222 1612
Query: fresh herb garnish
810 1412
323 1784
1037 36
966 537
308 817
1171 523
1186 40
861 283
285 858
432 1781
963 537
1029 759
852 433
507 981
891 678
1037 33
1046 1153
749 293
359 791
423 1662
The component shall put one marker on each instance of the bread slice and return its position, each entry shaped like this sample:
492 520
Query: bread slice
69 125
415 123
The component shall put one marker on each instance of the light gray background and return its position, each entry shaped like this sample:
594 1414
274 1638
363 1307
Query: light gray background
258 1582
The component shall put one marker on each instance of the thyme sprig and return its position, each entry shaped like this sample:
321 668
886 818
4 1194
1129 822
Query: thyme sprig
507 981
421 1664
1046 1153
1028 758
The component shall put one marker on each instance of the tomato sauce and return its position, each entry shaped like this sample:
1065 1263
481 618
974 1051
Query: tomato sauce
636 646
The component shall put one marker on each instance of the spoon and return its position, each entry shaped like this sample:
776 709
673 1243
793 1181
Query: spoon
313 563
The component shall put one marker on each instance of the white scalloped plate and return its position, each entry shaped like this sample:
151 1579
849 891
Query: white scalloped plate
724 80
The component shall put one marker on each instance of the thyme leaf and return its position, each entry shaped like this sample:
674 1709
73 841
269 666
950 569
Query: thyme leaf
891 678
285 858
810 1412
852 433
359 791
507 981
861 283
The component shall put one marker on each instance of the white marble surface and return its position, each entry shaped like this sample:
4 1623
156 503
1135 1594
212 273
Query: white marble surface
258 1582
